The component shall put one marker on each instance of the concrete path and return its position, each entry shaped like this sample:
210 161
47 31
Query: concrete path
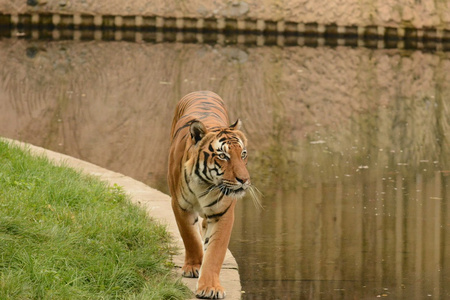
158 207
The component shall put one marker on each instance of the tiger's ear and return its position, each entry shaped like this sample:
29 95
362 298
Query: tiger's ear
236 125
198 131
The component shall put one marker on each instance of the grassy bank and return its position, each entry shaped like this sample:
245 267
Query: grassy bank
64 235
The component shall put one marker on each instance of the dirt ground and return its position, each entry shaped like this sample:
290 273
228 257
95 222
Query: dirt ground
419 14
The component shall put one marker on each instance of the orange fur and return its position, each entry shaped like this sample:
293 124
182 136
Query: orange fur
207 174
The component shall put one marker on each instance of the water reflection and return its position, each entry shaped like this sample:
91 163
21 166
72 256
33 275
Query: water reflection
368 232
350 147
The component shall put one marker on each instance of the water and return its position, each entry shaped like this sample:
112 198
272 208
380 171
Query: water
349 146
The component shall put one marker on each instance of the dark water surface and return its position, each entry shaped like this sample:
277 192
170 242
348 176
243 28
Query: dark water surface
349 146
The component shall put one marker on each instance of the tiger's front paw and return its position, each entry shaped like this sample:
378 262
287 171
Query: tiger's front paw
190 271
210 292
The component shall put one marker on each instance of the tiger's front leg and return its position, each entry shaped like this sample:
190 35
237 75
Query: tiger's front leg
216 241
187 222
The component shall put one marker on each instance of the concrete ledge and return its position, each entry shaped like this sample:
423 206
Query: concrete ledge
158 206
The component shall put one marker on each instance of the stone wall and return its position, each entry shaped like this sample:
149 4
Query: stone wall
66 96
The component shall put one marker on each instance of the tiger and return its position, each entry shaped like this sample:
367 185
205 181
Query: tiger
207 175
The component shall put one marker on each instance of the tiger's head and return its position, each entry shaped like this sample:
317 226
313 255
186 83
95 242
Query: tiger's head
219 158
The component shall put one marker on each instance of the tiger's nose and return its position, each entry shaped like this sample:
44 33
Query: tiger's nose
242 180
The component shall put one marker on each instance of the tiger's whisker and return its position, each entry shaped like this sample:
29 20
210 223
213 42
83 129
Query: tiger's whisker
209 190
254 193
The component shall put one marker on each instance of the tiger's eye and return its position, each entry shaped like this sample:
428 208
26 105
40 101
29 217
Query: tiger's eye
222 156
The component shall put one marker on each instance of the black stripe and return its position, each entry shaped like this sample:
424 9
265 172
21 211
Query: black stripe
215 201
196 170
184 198
209 105
217 169
218 215
200 176
205 165
182 127
223 132
208 114
179 205
208 190
187 181
221 102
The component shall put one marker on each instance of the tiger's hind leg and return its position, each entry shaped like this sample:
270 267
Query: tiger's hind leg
189 230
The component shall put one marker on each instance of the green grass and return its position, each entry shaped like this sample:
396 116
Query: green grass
64 235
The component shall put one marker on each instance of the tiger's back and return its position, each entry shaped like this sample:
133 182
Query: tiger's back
204 106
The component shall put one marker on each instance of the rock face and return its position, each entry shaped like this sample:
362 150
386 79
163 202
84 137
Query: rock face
419 14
